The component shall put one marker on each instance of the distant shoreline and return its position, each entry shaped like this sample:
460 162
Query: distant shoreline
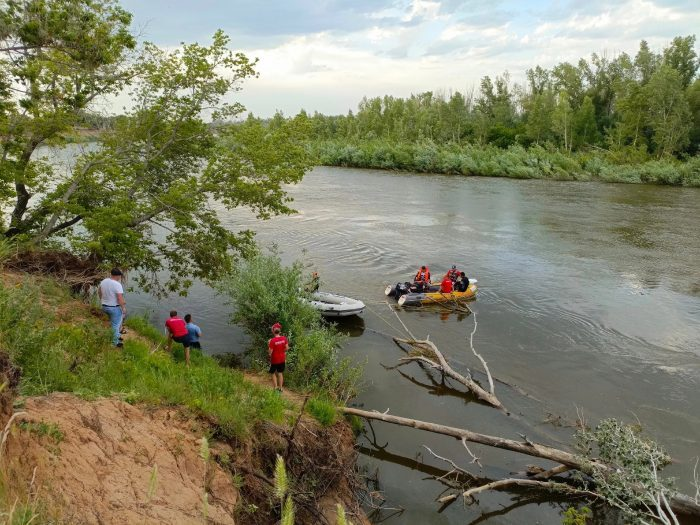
515 162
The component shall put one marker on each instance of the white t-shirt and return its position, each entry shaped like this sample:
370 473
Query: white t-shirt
110 288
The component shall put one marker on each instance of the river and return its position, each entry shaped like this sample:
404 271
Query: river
589 299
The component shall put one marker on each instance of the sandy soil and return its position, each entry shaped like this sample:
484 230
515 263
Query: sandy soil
117 463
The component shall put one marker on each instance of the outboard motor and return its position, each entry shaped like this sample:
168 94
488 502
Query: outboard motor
402 289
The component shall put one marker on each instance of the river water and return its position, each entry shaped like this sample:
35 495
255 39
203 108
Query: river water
589 300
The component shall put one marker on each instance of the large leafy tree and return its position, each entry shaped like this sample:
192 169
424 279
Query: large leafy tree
56 57
149 197
669 113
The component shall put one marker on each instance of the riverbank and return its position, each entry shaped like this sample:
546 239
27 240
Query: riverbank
515 162
98 435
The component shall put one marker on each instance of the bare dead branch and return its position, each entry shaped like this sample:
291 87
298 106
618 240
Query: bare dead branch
483 362
437 360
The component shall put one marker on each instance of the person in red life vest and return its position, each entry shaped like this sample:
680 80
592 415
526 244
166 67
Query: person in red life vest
422 278
452 273
277 350
177 331
446 285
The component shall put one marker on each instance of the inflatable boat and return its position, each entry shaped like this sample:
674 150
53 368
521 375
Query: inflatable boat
334 305
422 299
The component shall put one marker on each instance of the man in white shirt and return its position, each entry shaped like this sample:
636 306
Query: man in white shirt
111 296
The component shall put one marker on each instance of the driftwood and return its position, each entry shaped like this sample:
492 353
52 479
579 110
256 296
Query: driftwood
515 482
679 503
427 353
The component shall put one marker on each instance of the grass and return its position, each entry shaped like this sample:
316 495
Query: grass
60 346
323 410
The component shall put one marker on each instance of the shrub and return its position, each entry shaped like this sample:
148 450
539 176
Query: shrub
266 292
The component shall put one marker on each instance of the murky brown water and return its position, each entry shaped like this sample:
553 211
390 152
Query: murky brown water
589 297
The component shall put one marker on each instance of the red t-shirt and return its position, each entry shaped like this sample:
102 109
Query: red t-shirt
176 326
446 285
278 345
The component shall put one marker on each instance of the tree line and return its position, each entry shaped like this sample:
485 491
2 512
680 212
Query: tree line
636 108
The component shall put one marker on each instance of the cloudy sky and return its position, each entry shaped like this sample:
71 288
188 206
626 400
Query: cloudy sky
325 55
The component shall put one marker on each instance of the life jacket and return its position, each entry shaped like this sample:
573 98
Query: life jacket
446 285
422 275
452 274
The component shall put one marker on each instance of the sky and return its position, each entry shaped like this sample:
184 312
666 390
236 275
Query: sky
325 55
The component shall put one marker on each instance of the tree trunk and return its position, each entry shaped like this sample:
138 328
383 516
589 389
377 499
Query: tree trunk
679 503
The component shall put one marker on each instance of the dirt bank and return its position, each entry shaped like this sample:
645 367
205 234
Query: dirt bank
108 462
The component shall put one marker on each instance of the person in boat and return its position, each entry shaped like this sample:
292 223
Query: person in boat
452 273
462 283
446 285
277 351
422 278
313 285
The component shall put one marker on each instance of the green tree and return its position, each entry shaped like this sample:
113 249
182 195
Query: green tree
693 96
669 113
562 119
539 113
681 56
585 127
60 55
148 197
646 62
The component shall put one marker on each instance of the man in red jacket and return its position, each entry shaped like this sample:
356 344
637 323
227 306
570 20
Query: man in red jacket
446 285
277 350
177 331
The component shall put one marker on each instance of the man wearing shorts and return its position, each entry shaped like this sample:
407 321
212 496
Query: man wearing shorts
277 350
177 331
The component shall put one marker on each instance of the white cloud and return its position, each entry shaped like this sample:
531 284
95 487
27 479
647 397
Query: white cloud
409 46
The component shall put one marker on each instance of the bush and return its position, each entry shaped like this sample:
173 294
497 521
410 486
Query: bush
265 292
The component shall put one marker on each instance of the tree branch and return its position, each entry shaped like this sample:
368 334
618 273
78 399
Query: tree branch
437 360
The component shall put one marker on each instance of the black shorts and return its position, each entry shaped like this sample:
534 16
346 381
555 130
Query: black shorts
279 367
195 344
184 340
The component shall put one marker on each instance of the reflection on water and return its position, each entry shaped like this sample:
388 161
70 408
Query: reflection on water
589 297
351 326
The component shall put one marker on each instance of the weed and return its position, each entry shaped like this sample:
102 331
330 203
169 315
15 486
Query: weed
152 482
42 428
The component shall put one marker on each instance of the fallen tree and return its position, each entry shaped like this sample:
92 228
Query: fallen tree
654 506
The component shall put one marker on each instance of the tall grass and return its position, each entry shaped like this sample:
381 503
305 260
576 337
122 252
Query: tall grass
265 292
535 162
76 357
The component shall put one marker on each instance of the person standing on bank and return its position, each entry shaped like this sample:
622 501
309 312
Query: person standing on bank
194 332
111 294
177 331
277 350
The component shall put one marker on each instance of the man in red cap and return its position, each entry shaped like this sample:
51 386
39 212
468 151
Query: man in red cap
277 349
